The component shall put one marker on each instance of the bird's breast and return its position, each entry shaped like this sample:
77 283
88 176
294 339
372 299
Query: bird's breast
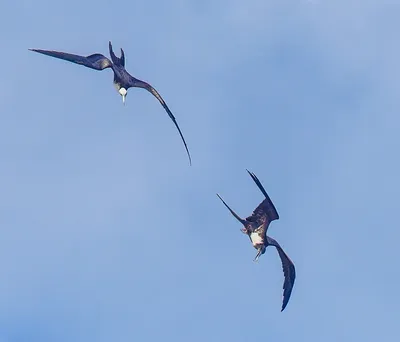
256 239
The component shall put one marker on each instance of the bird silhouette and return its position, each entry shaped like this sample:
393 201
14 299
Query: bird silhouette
256 226
122 79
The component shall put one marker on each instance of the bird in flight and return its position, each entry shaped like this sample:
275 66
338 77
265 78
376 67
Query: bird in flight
122 79
256 226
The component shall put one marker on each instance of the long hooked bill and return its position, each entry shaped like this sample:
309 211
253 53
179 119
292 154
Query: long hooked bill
257 256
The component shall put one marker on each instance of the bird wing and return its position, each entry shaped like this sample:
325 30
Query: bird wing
134 82
232 212
266 212
96 61
288 271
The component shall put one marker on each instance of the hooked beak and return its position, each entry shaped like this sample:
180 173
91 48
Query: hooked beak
258 255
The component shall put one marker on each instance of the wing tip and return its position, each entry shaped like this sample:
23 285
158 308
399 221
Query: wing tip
252 175
285 302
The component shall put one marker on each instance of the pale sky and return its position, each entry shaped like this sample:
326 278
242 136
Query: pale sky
107 233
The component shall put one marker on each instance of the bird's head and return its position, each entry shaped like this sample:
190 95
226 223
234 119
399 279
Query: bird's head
123 92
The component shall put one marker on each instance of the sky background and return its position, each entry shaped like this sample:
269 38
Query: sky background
107 234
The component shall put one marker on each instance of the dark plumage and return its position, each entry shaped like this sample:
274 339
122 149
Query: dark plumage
256 226
122 79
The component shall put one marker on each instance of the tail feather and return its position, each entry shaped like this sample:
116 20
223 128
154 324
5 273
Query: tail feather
116 60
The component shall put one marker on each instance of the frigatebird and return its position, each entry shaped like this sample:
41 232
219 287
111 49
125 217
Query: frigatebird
122 79
256 226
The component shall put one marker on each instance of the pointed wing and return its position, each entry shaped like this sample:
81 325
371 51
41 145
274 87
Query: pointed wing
265 213
232 212
96 61
133 82
288 271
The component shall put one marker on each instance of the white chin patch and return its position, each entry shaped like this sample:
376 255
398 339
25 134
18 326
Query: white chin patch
122 91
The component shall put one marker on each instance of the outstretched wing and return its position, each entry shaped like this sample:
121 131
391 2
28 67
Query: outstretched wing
96 61
265 213
232 212
288 271
134 82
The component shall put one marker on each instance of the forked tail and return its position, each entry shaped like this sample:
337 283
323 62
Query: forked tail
116 60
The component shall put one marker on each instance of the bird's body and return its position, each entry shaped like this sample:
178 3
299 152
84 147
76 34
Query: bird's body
256 226
122 79
256 238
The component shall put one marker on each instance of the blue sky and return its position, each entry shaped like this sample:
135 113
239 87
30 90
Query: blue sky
108 235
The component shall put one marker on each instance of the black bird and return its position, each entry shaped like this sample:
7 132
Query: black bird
122 79
256 226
